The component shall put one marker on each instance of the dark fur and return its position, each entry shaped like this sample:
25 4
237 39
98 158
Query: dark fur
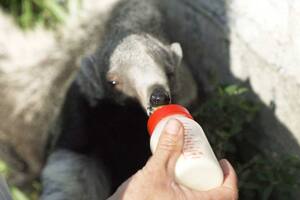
99 124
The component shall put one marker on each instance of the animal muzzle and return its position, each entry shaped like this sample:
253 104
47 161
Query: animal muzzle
159 97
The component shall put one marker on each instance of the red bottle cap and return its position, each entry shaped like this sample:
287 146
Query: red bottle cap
165 111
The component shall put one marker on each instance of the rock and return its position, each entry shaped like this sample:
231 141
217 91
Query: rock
35 69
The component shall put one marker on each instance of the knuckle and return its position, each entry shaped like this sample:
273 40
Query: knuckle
235 196
168 143
150 169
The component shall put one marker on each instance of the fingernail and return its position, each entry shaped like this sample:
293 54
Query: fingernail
225 165
172 127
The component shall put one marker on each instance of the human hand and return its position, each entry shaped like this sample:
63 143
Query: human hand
157 180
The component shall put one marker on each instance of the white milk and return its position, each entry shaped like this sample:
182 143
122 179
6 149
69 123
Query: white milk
197 167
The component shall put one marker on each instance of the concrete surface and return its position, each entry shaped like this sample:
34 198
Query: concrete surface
265 50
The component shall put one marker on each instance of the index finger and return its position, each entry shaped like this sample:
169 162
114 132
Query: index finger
229 189
230 177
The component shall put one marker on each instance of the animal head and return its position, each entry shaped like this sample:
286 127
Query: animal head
142 68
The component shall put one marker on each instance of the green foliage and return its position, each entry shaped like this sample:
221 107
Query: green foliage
224 115
226 118
47 13
18 194
30 193
4 169
263 178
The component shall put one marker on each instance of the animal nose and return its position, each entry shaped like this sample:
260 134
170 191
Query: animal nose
159 97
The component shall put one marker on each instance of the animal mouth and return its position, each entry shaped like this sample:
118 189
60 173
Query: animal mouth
159 96
151 110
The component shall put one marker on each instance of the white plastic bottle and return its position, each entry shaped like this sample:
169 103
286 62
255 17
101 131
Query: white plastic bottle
197 167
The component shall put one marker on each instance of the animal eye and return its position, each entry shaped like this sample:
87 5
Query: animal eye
170 73
113 83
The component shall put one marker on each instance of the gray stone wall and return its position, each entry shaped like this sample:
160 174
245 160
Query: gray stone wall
265 50
253 43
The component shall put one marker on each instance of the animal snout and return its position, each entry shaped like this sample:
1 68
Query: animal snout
159 96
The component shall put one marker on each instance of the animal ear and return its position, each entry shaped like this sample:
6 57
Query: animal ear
177 52
89 80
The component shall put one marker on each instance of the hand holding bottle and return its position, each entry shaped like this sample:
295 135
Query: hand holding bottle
157 179
197 167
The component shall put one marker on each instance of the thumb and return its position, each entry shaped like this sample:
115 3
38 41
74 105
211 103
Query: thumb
170 145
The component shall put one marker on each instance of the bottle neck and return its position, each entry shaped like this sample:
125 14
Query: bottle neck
166 111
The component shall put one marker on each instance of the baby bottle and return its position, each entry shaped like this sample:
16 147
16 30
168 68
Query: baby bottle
197 167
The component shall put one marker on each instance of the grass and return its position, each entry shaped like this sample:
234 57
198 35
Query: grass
47 13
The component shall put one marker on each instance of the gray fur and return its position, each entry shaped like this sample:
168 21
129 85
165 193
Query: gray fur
134 33
4 191
90 79
71 176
